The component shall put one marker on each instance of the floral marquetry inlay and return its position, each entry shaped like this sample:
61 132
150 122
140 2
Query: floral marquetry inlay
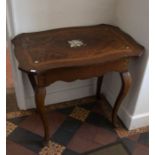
76 43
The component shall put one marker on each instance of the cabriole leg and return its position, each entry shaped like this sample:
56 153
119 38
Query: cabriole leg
126 83
40 93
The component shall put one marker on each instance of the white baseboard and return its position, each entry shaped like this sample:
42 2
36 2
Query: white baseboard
130 121
133 121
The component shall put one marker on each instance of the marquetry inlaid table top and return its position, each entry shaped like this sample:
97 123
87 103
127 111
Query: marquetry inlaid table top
76 46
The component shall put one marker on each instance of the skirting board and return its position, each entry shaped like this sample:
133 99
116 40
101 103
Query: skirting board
133 122
130 121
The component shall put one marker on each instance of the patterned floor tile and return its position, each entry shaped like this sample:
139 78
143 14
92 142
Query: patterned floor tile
74 130
115 149
134 137
129 144
69 152
89 136
105 136
141 150
82 145
16 149
66 111
122 132
66 131
144 139
33 123
99 120
11 115
88 106
52 149
17 120
10 127
27 139
80 113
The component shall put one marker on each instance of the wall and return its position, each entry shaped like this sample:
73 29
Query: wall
37 15
132 16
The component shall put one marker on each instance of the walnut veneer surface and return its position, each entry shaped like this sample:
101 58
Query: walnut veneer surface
50 49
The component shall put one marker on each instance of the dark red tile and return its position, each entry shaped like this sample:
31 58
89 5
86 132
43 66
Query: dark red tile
89 137
34 124
141 150
82 145
105 137
134 137
16 149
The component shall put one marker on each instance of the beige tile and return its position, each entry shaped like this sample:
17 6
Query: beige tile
10 127
80 113
52 149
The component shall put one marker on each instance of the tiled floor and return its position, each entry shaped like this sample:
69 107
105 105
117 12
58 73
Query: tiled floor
83 129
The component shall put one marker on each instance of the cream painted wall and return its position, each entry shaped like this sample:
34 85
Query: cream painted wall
132 16
36 15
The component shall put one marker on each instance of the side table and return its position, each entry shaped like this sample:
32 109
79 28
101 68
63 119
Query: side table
74 53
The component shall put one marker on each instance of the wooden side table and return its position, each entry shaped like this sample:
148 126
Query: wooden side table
74 53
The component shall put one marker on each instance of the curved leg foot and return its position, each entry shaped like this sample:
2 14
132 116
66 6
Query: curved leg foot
39 99
126 83
99 84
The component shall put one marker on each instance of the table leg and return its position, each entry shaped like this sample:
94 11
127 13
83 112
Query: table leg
99 84
40 93
126 83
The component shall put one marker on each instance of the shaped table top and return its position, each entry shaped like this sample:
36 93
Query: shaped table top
75 46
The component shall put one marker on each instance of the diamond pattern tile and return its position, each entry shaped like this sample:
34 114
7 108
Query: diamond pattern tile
80 113
52 149
10 127
84 129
